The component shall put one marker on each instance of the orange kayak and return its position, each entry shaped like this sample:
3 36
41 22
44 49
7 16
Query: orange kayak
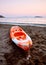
20 37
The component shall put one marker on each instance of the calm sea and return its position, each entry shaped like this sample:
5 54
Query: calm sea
24 21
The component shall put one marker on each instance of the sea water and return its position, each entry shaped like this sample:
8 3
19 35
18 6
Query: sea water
24 21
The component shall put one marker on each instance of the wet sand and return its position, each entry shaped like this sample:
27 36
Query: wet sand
10 54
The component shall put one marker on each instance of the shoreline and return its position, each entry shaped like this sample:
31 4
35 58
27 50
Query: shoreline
23 24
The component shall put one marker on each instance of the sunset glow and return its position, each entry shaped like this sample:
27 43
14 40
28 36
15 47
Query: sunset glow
23 7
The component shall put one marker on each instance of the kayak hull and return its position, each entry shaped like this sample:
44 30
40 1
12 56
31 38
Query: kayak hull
20 37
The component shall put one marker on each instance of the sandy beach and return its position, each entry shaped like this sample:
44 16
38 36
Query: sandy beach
10 54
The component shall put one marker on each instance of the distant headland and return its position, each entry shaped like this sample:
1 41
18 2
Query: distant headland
2 16
38 17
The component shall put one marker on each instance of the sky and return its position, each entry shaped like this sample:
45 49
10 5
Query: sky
23 7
